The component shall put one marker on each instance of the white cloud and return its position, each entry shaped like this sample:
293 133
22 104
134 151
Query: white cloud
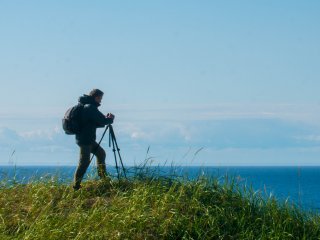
139 135
225 110
36 140
229 130
219 127
181 112
8 138
312 138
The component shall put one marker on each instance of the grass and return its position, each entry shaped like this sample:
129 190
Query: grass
148 206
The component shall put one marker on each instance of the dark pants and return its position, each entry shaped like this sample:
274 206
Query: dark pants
84 161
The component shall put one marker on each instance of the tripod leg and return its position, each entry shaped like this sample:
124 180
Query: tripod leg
114 153
123 169
114 141
105 130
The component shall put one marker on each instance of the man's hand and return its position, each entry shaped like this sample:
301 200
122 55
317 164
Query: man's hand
110 115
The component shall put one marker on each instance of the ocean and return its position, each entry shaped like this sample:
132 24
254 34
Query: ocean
299 185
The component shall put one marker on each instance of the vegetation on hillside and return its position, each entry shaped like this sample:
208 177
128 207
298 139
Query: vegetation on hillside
148 207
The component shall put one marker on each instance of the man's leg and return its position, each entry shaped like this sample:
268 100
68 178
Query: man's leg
84 162
100 154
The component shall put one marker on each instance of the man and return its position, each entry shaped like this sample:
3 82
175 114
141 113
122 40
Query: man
92 118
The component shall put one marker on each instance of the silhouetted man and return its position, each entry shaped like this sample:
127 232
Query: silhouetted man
91 119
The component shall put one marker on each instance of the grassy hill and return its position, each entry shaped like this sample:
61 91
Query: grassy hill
151 207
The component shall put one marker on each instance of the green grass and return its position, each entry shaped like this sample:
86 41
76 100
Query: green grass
148 208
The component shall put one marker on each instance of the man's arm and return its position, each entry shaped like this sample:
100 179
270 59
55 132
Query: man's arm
100 119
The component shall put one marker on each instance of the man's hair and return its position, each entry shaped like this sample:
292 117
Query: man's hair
96 93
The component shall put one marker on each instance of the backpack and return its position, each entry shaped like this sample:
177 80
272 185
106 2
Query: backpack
71 122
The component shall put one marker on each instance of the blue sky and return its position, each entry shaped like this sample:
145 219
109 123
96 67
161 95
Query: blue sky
239 79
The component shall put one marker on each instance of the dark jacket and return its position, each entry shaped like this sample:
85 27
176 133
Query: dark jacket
92 118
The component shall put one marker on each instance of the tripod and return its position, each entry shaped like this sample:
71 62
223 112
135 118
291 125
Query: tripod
113 140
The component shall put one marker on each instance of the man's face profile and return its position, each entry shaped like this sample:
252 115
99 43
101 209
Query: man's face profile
98 99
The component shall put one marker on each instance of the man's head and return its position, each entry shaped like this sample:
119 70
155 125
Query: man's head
97 95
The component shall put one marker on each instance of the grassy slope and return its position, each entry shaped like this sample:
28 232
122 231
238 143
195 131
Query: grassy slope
148 208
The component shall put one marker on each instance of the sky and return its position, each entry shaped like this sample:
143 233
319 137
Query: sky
201 83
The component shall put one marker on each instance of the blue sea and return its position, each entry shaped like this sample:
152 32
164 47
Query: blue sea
299 185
